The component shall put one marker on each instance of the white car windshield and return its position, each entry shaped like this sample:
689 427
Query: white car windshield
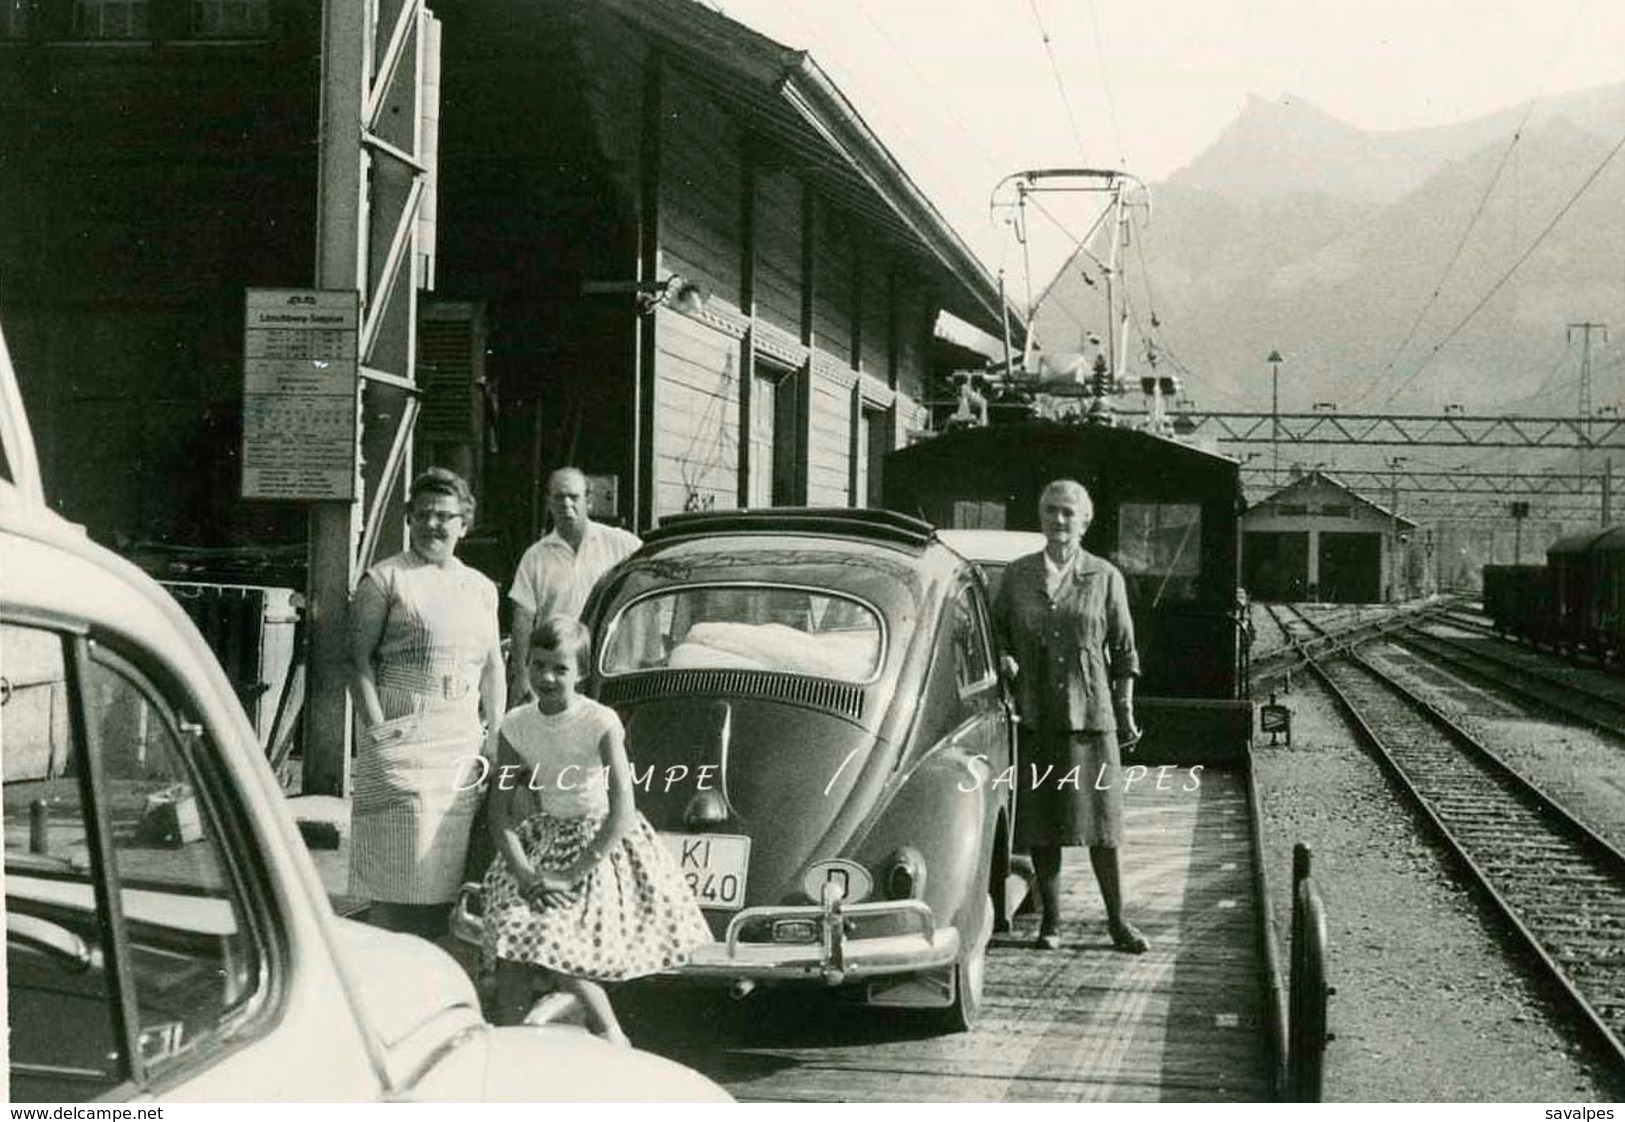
746 627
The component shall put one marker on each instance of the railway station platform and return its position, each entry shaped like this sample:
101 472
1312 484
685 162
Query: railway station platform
1185 1022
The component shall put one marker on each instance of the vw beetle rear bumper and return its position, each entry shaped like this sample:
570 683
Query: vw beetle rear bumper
835 942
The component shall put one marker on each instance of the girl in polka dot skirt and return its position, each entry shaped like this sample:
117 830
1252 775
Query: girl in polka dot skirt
582 891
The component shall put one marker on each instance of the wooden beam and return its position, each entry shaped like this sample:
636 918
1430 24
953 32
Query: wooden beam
856 288
857 456
809 339
747 304
645 379
334 527
893 318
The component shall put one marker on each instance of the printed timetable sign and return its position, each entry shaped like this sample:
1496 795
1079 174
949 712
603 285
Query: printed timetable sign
300 363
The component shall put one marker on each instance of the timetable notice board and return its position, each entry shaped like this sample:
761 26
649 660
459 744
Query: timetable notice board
300 364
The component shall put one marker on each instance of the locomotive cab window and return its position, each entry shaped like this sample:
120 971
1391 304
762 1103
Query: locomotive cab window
128 945
1159 550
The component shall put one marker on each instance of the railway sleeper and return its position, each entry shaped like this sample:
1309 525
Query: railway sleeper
1566 916
1558 868
1538 847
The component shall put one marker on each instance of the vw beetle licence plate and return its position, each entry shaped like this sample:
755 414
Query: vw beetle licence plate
714 866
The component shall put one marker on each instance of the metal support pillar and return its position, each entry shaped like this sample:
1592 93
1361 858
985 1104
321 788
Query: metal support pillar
375 169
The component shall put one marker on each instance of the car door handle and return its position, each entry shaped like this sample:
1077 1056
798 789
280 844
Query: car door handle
54 939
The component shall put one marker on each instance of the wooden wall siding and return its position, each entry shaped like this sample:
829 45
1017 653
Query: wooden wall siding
701 235
612 61
778 250
778 344
915 318
829 463
127 242
834 281
696 414
874 314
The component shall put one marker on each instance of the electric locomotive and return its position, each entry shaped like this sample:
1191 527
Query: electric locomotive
1167 514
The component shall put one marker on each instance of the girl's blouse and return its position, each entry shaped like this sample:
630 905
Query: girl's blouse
561 757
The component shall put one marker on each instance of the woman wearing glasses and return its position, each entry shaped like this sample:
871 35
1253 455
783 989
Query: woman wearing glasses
427 661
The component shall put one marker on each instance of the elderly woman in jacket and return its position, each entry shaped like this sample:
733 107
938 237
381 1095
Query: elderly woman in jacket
1067 642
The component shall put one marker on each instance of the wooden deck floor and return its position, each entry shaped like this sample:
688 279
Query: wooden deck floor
1183 1023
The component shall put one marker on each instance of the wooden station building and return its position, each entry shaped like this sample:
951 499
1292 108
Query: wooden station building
1317 540
668 249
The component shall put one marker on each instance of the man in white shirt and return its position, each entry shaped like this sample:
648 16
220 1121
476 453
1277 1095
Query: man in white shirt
557 572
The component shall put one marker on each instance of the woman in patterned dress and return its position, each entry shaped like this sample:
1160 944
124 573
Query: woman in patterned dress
427 661
583 891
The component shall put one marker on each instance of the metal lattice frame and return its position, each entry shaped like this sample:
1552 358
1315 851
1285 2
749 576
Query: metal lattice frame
1449 430
377 165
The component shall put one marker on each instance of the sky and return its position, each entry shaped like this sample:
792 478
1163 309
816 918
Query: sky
963 92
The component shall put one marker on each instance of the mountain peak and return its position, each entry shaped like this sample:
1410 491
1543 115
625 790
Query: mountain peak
1287 145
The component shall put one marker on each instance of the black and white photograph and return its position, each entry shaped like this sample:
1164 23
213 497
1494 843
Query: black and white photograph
812 551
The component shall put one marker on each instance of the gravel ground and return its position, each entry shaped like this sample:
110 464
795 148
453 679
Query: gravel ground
1582 769
1429 1006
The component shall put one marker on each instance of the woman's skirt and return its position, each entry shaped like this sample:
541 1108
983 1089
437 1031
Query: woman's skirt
413 806
1068 789
632 916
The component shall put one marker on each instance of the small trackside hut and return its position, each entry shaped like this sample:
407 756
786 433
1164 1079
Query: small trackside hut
1166 514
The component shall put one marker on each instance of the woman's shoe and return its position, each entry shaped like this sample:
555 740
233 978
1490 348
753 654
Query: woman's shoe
1127 938
554 1008
1047 941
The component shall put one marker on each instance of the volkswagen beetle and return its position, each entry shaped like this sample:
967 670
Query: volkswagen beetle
818 731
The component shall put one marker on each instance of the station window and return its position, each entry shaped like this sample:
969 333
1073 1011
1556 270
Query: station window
1159 550
110 19
1294 510
776 437
14 19
1335 510
230 19
977 514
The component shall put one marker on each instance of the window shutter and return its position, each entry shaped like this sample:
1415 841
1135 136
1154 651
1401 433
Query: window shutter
451 371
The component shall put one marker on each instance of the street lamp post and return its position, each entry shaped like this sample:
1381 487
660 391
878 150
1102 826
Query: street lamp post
1274 360
1393 518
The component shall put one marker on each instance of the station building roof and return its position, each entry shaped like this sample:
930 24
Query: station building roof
784 97
1315 480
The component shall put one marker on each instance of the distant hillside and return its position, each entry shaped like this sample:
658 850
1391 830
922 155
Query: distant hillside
1298 232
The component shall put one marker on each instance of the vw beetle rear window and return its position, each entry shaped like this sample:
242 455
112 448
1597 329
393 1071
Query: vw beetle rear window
746 627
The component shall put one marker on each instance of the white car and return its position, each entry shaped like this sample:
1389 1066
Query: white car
167 936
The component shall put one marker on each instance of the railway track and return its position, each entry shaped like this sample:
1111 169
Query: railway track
1535 686
1559 886
1467 621
1307 639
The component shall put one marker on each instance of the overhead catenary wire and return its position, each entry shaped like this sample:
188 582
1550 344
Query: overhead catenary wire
939 103
1060 82
1106 83
851 82
1579 193
1455 256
